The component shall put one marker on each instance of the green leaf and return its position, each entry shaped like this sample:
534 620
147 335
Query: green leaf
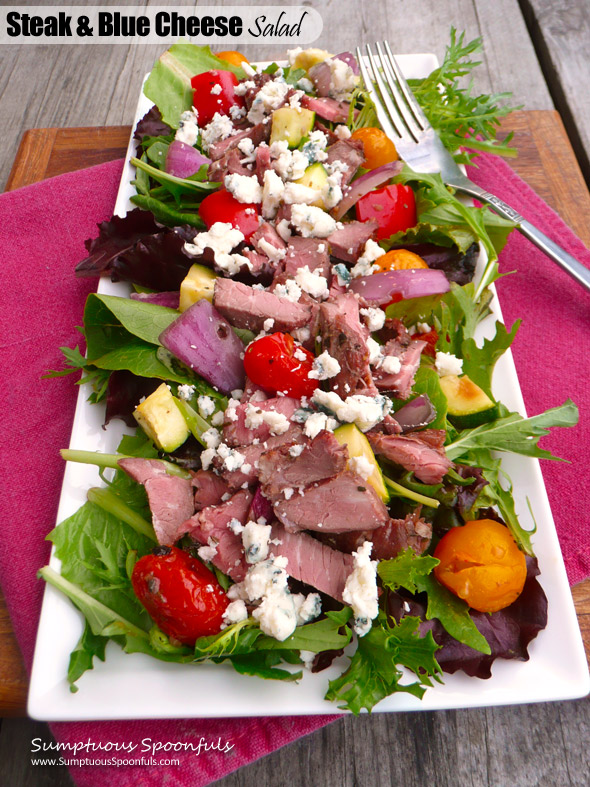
176 186
169 83
375 669
318 636
461 119
453 613
166 214
103 621
514 433
109 314
82 657
479 362
405 570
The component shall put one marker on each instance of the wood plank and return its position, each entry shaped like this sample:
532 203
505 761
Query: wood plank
560 31
545 157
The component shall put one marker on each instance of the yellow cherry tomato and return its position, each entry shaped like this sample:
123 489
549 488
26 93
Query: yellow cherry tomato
379 149
481 563
398 260
233 57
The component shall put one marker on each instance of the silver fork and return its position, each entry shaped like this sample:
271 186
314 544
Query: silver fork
403 120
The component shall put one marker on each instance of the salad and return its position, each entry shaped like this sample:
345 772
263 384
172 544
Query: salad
315 468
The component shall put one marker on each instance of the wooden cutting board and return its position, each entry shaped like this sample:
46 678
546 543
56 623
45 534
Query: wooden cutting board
546 161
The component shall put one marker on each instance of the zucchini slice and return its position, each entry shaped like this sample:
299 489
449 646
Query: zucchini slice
468 405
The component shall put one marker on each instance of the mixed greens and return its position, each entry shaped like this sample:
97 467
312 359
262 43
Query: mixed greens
125 360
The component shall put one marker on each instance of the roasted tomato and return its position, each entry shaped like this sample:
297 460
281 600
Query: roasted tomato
379 149
431 338
275 363
223 206
233 57
398 260
181 595
214 92
392 207
481 563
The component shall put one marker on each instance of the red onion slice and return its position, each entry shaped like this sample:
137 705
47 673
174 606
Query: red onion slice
350 60
415 414
182 160
321 76
379 288
261 507
363 185
169 299
204 340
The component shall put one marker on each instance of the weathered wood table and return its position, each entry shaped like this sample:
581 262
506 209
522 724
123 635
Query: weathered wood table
540 53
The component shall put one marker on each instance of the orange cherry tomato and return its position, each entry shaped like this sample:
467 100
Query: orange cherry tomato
481 563
398 260
233 57
379 149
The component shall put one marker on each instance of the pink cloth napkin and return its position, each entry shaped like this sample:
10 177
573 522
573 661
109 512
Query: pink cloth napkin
42 229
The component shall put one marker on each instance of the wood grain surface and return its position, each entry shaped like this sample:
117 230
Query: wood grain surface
545 161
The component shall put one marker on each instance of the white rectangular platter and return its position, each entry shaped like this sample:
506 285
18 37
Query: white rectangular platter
138 687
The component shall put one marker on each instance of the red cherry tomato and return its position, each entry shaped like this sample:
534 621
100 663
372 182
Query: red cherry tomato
206 102
222 206
270 362
392 207
431 338
182 596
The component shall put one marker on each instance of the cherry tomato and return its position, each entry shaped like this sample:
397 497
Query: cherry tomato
481 563
379 149
222 206
431 338
182 596
399 259
392 207
207 101
233 57
270 362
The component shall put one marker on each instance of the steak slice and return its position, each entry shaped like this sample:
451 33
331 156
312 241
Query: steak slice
321 458
236 433
351 152
429 464
327 108
209 489
345 502
141 469
312 562
171 503
347 242
401 382
344 336
312 252
212 523
246 307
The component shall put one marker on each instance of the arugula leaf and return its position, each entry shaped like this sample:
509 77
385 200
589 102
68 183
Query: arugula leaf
498 492
76 362
514 433
405 570
317 636
479 362
169 83
374 671
176 186
461 119
414 574
453 613
446 209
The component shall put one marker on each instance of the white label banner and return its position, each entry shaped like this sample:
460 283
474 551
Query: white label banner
229 25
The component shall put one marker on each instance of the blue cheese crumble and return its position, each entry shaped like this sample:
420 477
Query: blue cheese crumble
360 590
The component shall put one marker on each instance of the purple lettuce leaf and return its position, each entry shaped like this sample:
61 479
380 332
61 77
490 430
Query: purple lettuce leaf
456 265
116 236
124 391
508 631
151 125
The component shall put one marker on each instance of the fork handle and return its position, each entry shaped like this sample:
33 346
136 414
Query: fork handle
565 260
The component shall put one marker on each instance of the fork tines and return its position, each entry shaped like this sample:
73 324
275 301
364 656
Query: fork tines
397 109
